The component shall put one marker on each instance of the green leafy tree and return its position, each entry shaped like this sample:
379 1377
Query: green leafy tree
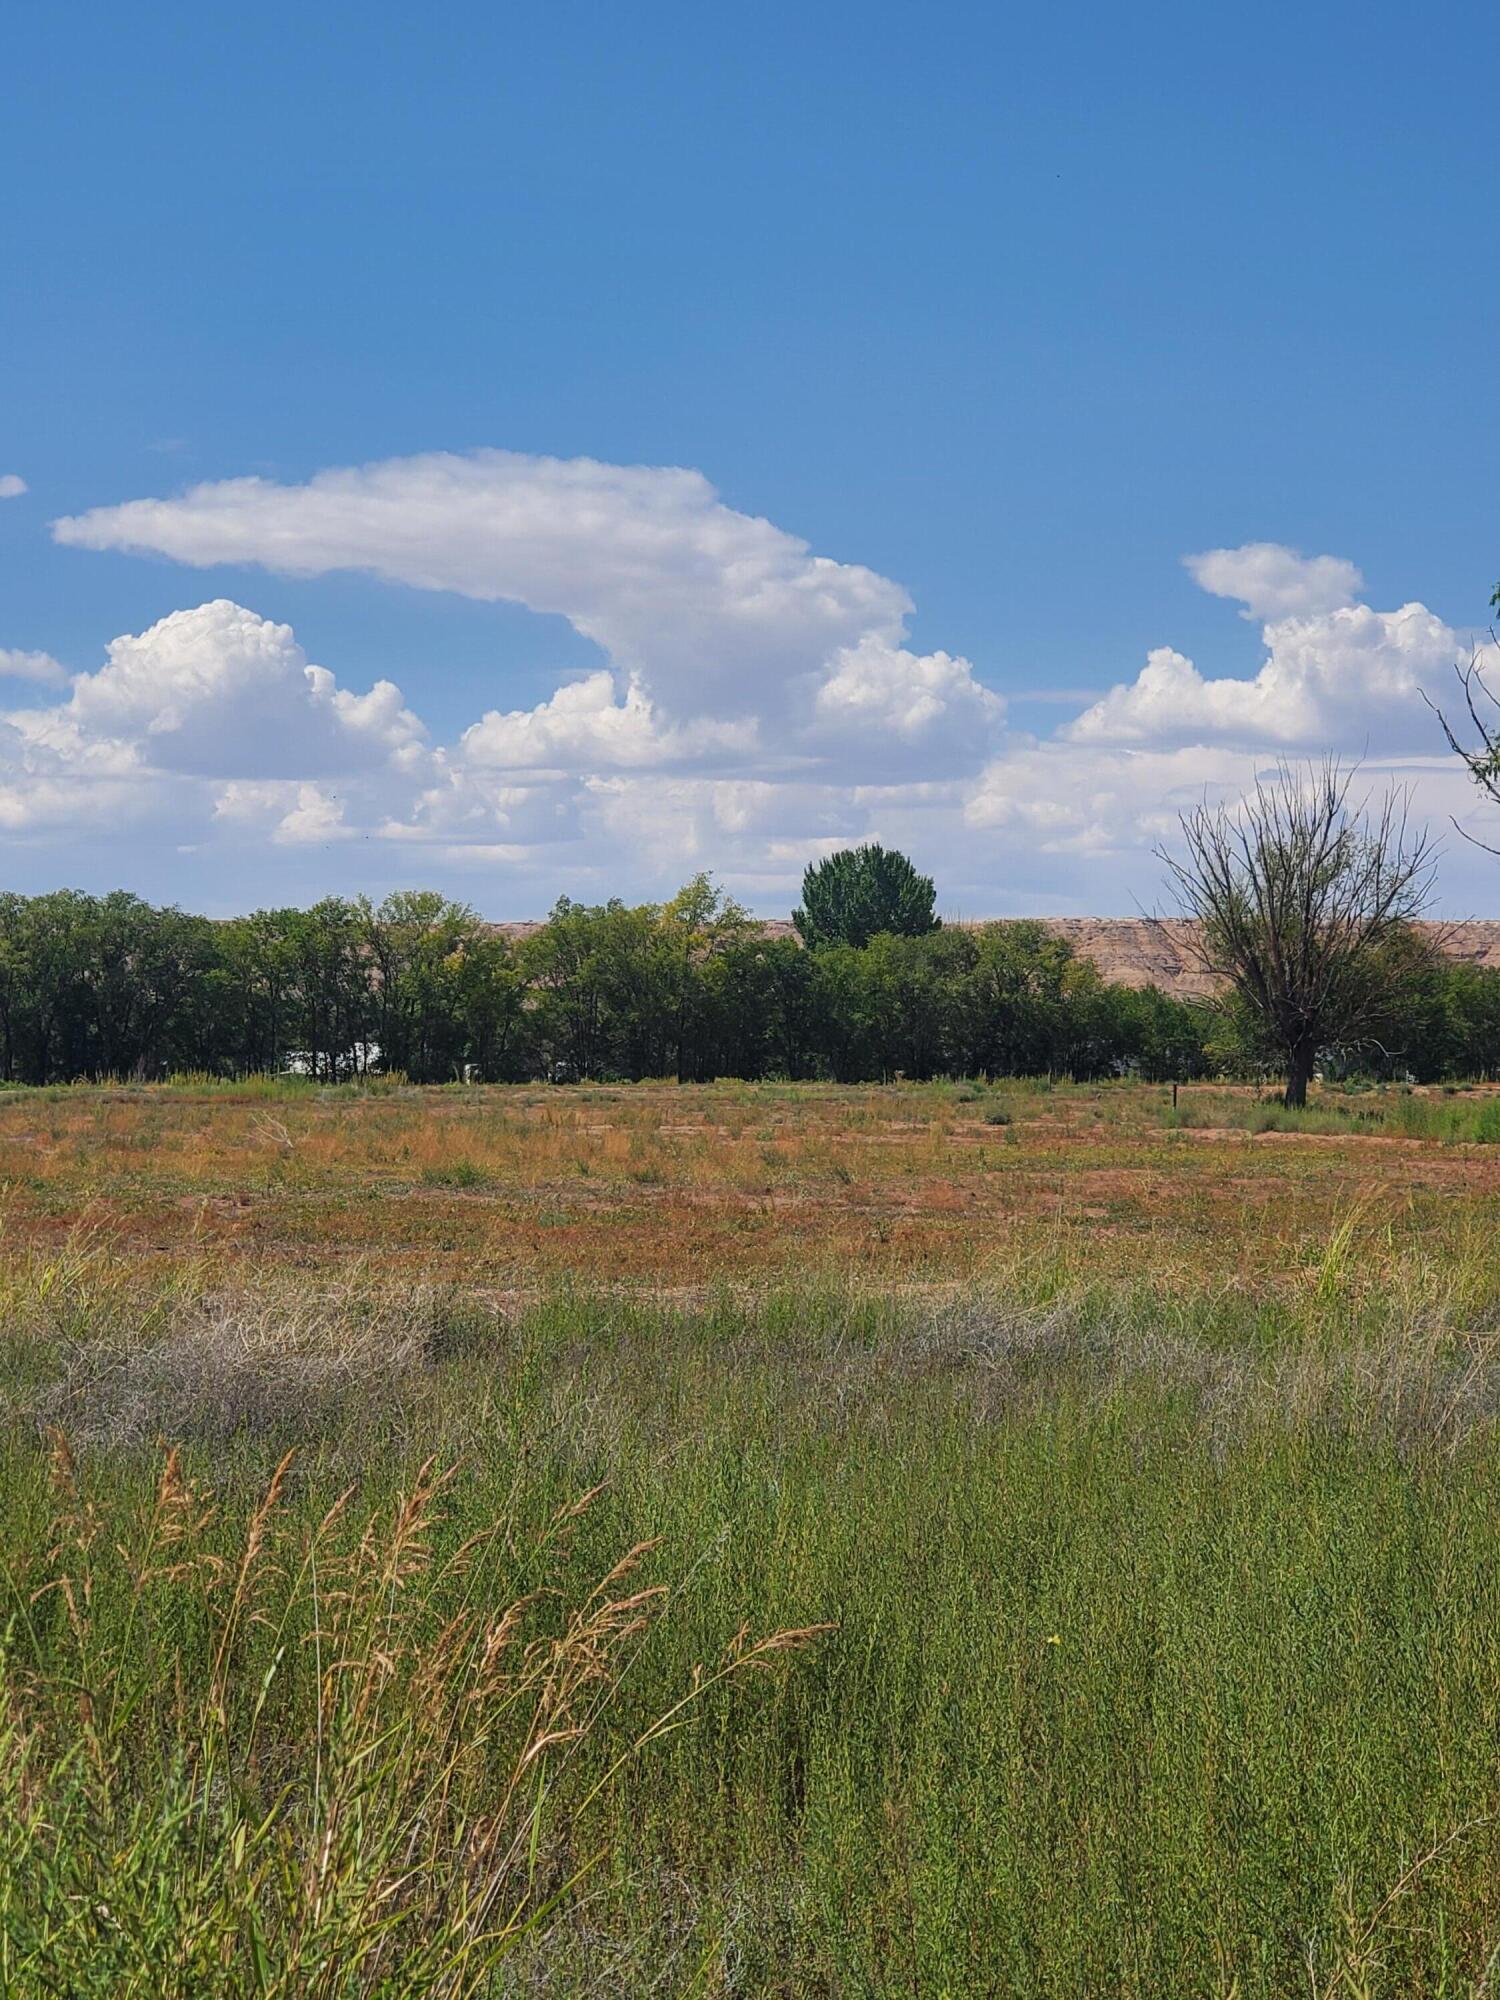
601 1002
758 992
489 995
697 932
913 989
1464 1031
58 1020
416 940
864 892
845 1026
259 956
95 986
1148 1033
16 985
141 969
1016 998
333 987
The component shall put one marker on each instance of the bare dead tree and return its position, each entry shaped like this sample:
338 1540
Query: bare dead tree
1298 896
1480 758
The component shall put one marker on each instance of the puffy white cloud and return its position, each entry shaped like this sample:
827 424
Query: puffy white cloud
316 816
221 692
1349 678
1097 801
586 726
54 780
756 705
39 667
1337 677
1276 582
1097 805
876 693
718 628
12 486
289 813
465 803
706 605
255 802
206 705
1062 829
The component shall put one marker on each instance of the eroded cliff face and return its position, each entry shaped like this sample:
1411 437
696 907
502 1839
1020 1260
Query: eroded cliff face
1135 951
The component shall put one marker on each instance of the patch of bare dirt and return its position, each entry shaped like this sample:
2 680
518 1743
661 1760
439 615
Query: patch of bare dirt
1343 1141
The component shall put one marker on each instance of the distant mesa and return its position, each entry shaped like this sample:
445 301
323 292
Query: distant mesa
1134 951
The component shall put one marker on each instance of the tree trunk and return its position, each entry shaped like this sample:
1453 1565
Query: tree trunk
1299 1076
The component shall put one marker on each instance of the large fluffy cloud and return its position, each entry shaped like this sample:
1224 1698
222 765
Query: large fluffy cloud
708 607
190 712
1335 674
721 632
221 692
894 708
587 723
755 703
1353 677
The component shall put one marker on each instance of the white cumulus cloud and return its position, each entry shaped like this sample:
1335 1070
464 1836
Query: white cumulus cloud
879 694
586 725
1337 677
1345 677
755 704
705 615
289 813
218 691
23 666
206 704
12 486
1276 582
701 601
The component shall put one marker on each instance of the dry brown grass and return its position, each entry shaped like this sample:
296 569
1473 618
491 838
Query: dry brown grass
670 1187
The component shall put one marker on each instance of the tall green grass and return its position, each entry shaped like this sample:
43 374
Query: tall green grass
1456 1119
1162 1650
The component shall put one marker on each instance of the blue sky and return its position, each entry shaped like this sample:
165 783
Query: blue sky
1011 310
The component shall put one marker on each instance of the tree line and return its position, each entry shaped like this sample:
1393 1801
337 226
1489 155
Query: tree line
692 988
1303 901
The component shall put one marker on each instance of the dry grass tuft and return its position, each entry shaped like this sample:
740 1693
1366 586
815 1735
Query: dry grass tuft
436 1824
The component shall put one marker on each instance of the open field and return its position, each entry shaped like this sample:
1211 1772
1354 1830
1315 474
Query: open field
668 1186
740 1539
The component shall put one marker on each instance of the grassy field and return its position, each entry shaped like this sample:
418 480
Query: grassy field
510 1190
929 1540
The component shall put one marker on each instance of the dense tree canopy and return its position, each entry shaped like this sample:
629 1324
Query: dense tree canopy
862 893
692 988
